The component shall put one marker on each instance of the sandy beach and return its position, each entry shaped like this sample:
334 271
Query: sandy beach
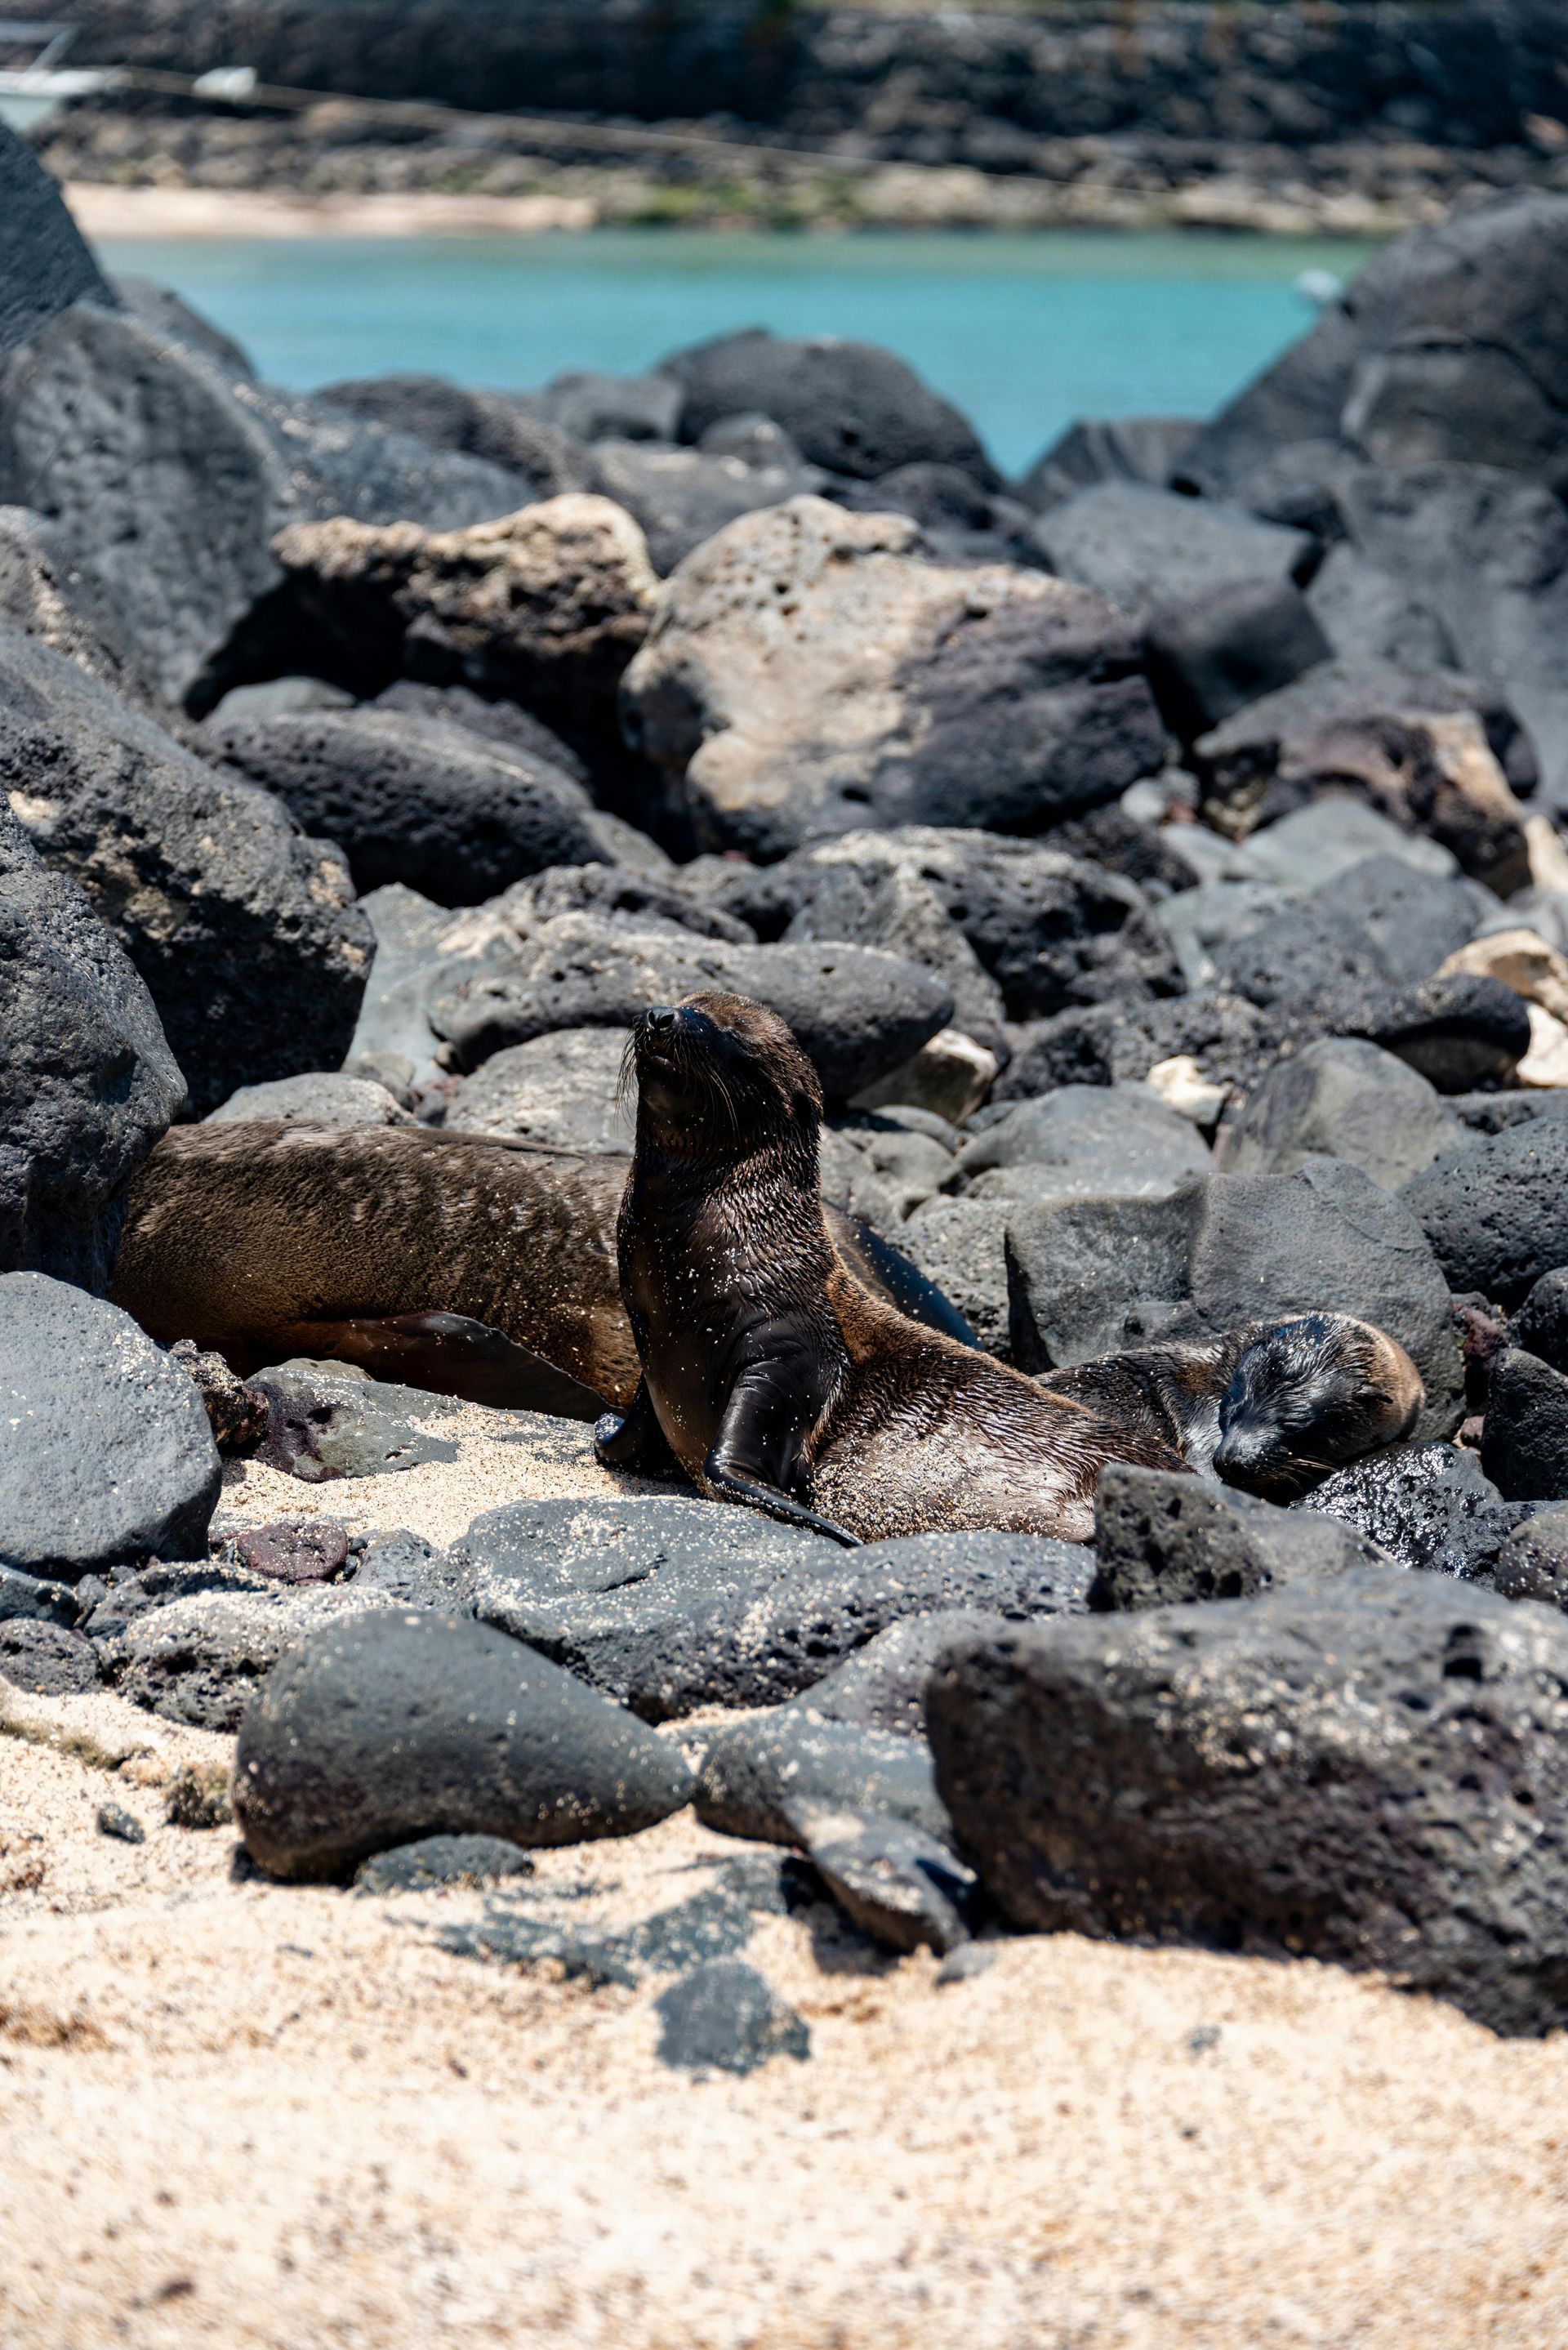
240 2114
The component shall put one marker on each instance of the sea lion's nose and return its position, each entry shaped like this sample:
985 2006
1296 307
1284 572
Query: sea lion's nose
660 1020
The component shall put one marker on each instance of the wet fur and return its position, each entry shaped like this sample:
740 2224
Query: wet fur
261 1240
1271 1406
773 1375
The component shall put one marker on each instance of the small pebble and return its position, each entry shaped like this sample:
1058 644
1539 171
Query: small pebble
969 1959
124 1826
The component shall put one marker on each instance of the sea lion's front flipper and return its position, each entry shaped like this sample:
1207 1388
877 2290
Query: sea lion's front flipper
759 1446
451 1355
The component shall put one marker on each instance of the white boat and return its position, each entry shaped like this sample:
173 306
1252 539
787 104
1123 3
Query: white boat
30 96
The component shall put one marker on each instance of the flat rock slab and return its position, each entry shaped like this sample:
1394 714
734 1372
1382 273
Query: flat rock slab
1371 1771
670 1606
395 1725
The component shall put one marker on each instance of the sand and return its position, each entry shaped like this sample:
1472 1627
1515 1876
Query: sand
502 1457
103 209
259 2117
237 2114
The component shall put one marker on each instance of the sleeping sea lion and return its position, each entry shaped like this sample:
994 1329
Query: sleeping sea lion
1271 1406
468 1264
771 1375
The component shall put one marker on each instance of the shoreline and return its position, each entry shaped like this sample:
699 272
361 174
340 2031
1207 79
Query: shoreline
102 210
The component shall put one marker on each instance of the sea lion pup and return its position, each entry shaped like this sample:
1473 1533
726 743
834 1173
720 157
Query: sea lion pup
468 1264
460 1263
1271 1406
770 1373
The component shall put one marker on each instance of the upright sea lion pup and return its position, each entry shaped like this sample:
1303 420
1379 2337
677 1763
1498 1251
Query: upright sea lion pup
770 1373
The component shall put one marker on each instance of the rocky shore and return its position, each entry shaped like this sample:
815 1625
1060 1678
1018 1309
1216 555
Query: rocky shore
1345 117
450 1886
339 166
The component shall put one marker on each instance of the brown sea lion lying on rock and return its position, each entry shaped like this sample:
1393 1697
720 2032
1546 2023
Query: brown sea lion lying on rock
466 1264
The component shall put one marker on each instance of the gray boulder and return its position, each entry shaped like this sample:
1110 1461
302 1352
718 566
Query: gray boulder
201 1658
503 724
1332 1771
44 594
724 2017
46 1659
245 931
1327 838
856 1012
1048 929
1144 549
1367 614
331 1419
895 1881
1541 1324
1098 1141
47 263
960 518
325 1098
1211 653
959 1244
1495 1214
1200 923
681 496
1117 449
88 1083
1487 551
890 908
811 672
1374 921
567 1090
389 1727
765 1778
1419 1503
36 1598
851 407
1447 345
1090 1276
882 1686
418 803
1435 753
1343 1098
169 481
1524 1438
589 406
109 1454
1118 1044
1532 1564
542 458
1163 1539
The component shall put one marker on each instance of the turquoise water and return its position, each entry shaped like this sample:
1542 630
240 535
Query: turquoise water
1023 332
